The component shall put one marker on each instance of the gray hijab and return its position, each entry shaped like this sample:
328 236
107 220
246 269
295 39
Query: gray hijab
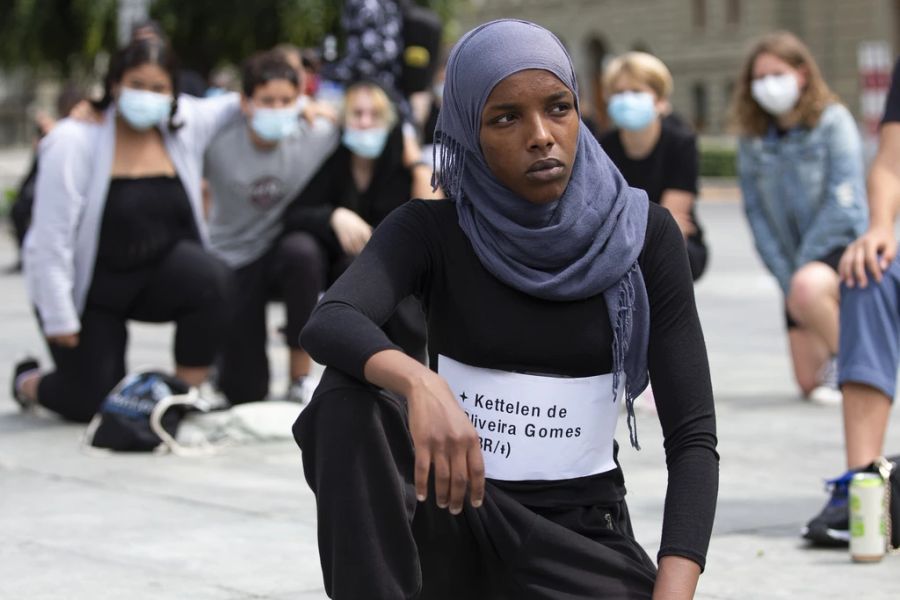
584 244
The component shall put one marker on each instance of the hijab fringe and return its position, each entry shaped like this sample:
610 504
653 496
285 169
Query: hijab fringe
450 165
621 338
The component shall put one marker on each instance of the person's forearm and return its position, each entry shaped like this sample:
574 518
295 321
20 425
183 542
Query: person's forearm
395 371
884 192
677 578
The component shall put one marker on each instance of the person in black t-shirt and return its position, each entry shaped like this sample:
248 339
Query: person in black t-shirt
654 154
365 178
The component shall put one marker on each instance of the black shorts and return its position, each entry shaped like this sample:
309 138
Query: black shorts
831 259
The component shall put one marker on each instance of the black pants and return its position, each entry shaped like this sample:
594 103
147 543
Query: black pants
297 269
377 542
188 286
291 271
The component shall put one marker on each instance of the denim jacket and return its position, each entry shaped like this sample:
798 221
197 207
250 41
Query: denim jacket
804 192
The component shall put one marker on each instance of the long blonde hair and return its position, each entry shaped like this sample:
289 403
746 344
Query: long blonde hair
748 117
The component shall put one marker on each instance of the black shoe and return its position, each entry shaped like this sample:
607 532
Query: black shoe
23 366
831 527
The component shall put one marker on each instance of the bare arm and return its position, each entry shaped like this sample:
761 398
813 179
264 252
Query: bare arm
876 248
677 578
442 434
680 203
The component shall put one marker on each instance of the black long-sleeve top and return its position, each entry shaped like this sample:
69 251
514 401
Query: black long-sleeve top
476 319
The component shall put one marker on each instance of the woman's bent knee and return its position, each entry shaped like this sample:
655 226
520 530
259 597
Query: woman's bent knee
812 284
341 407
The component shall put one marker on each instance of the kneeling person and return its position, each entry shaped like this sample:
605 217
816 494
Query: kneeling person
255 167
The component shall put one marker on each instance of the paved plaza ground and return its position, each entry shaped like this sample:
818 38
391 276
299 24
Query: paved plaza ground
241 524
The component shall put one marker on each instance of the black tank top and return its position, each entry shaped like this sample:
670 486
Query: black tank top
143 219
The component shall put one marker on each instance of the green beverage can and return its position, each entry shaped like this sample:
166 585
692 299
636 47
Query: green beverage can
867 522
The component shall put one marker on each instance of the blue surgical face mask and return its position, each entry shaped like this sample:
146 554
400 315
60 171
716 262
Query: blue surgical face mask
274 124
632 110
367 143
142 109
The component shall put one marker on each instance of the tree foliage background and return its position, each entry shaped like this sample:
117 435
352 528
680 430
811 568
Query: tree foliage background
64 36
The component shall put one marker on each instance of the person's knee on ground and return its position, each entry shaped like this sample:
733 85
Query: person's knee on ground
867 363
302 269
203 324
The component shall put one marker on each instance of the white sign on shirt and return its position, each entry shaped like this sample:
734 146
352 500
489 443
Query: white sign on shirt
535 427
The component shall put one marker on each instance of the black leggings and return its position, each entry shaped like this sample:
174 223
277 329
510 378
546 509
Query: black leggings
297 269
291 270
377 542
188 286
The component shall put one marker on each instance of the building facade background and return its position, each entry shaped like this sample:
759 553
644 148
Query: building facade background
703 42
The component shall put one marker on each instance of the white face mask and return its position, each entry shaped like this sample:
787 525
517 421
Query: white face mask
776 94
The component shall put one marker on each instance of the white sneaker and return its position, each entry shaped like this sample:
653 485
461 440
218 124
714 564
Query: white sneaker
301 389
825 395
828 392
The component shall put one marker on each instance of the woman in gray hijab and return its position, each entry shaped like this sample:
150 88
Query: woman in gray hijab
553 292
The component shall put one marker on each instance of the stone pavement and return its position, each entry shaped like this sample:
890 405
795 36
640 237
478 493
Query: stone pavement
241 524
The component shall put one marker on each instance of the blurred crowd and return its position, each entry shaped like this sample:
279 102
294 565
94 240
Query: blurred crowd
176 199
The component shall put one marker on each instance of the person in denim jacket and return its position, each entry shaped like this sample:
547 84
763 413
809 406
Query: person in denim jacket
801 173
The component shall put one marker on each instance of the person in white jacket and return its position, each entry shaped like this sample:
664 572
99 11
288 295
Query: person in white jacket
118 234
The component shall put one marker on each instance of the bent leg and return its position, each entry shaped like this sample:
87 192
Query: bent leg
299 271
808 356
866 413
574 552
377 542
194 289
867 363
85 374
358 459
813 302
243 365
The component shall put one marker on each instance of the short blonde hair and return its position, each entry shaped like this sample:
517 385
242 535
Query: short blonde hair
643 67
380 99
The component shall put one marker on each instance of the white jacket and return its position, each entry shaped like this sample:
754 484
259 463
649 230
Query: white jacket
74 165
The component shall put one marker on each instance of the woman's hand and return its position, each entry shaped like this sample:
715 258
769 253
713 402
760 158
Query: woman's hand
680 203
676 579
85 112
873 251
442 434
444 437
685 224
66 340
352 231
314 110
